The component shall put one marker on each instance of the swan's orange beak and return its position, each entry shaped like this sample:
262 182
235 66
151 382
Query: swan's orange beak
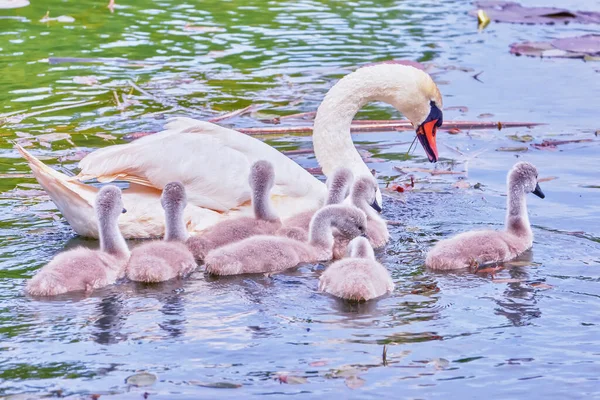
426 134
427 130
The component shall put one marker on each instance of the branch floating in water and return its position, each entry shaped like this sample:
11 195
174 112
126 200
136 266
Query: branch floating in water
232 114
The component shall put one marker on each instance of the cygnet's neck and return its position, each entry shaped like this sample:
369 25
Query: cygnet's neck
111 240
175 230
320 232
517 220
361 248
358 200
261 203
332 140
338 187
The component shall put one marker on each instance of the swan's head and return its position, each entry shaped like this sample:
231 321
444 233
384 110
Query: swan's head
412 92
360 247
262 176
523 178
173 197
365 190
109 203
349 221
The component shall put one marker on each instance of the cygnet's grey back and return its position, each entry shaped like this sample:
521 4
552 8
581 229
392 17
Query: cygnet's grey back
261 180
360 247
174 201
338 185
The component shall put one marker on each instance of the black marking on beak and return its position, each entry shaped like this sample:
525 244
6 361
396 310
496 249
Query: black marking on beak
123 211
376 206
538 191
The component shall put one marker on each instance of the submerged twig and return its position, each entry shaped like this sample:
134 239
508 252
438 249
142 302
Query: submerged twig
15 119
164 102
232 114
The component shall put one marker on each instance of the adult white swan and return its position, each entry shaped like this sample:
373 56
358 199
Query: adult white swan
214 162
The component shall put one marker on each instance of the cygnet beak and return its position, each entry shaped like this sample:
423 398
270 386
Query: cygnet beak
376 206
364 234
538 191
123 211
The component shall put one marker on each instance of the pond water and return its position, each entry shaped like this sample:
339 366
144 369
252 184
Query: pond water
529 329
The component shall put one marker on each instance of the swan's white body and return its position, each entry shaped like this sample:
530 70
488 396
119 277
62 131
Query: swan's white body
213 162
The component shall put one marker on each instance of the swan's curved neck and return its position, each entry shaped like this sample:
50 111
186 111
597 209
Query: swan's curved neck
517 220
111 240
359 202
362 249
332 140
175 230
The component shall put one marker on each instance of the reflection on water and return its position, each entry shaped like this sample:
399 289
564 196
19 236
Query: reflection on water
519 329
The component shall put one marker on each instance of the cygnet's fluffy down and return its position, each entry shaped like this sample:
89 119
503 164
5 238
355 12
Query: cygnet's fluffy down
265 221
358 277
481 247
338 184
265 254
83 269
364 197
162 260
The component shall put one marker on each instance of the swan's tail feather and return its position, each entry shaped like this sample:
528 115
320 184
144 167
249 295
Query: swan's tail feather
72 198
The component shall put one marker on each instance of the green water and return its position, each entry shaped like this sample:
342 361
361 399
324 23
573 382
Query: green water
528 329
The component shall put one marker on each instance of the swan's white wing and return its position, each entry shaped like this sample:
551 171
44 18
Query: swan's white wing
211 161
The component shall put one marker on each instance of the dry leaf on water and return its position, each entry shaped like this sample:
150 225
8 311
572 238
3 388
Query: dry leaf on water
141 379
291 379
85 80
541 285
354 382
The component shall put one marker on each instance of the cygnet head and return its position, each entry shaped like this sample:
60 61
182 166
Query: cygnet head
109 203
173 198
351 222
338 185
262 176
360 247
365 190
523 178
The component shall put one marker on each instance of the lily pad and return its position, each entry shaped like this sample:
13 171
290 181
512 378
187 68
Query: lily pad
512 12
141 379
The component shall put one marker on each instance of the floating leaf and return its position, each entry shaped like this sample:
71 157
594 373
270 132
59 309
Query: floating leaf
354 382
13 3
439 363
482 19
454 131
462 184
141 379
291 379
321 363
85 80
216 385
541 285
522 139
514 149
508 11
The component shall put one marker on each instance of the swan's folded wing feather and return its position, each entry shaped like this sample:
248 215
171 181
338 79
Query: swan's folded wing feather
211 161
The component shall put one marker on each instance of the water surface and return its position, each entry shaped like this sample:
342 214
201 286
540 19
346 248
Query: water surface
530 329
